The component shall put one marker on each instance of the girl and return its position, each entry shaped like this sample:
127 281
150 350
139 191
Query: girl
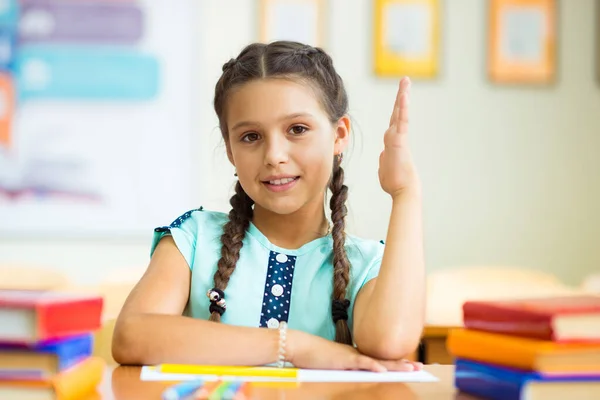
214 280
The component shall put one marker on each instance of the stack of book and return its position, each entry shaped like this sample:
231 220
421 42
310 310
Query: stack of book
46 344
531 349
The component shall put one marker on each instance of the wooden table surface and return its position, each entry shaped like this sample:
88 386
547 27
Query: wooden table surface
123 383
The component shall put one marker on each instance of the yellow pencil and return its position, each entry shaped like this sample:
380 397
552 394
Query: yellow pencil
220 370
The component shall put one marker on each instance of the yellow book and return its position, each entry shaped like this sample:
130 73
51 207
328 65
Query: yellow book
222 370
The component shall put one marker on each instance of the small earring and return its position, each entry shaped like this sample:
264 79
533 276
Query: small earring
235 173
340 157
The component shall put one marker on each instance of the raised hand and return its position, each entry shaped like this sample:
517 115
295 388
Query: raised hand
397 172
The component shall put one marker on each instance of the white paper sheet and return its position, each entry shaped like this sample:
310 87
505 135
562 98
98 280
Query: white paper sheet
150 373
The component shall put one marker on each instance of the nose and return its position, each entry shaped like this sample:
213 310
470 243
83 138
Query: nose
276 150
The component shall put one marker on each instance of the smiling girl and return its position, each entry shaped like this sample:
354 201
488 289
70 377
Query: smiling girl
275 280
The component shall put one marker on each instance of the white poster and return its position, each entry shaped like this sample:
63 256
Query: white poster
98 140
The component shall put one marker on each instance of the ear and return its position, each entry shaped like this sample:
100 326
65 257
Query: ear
342 135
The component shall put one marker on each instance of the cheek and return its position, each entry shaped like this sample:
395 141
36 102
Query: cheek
318 167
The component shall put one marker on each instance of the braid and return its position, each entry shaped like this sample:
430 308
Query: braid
233 234
341 265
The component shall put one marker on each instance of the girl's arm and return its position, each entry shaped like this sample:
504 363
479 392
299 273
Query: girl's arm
389 311
151 330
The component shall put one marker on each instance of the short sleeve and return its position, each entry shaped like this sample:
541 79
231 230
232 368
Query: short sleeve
184 232
375 264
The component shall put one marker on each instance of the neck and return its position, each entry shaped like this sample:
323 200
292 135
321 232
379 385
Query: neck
292 231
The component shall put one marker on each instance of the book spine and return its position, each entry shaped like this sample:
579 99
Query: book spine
515 322
73 351
490 348
532 330
63 319
487 382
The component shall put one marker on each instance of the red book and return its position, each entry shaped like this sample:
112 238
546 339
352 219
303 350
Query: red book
32 316
559 319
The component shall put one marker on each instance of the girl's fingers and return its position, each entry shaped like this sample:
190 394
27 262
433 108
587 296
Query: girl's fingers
369 364
403 88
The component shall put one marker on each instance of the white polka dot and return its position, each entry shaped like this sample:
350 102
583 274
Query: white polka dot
284 285
277 290
278 315
273 323
269 311
279 278
264 304
285 311
274 281
281 258
270 300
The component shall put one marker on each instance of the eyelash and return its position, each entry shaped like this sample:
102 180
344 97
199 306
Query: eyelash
304 129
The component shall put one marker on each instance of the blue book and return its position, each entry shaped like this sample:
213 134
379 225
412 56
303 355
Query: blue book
503 383
43 359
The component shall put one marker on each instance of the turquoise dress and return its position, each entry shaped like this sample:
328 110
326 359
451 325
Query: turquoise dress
270 284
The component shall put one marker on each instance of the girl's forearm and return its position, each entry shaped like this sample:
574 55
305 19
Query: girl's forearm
397 304
146 339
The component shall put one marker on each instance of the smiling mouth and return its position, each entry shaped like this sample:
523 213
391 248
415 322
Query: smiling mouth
281 185
281 182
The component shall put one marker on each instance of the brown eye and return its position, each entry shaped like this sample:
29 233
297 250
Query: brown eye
250 137
298 130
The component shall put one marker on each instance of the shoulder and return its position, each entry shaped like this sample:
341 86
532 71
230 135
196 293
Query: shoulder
198 227
196 221
363 252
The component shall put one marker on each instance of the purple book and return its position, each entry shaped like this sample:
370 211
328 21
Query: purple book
80 21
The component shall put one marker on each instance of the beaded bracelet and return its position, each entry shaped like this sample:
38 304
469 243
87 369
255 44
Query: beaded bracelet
282 342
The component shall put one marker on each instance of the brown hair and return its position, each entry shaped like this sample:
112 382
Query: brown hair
299 62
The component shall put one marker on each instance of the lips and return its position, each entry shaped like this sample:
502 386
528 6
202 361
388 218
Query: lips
282 181
281 184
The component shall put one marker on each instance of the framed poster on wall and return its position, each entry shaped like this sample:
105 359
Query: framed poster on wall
522 37
296 20
95 125
406 38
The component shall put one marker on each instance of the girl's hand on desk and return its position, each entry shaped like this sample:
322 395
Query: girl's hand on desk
397 172
313 352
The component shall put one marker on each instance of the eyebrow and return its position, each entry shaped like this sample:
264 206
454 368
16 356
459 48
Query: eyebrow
251 123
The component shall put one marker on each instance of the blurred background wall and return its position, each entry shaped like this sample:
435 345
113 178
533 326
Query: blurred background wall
511 174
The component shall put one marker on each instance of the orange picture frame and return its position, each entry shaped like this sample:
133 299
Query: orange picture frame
522 36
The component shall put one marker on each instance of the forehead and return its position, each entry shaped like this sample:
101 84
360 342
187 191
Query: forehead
267 99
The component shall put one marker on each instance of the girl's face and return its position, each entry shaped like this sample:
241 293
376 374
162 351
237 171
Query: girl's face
282 143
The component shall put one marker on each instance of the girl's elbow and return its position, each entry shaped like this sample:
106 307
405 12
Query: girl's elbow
389 348
125 347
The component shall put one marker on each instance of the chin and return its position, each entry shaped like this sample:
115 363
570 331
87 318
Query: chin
280 207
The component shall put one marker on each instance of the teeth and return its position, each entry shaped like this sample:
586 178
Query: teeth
281 181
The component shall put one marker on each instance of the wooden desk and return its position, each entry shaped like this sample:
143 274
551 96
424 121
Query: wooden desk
432 349
123 383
